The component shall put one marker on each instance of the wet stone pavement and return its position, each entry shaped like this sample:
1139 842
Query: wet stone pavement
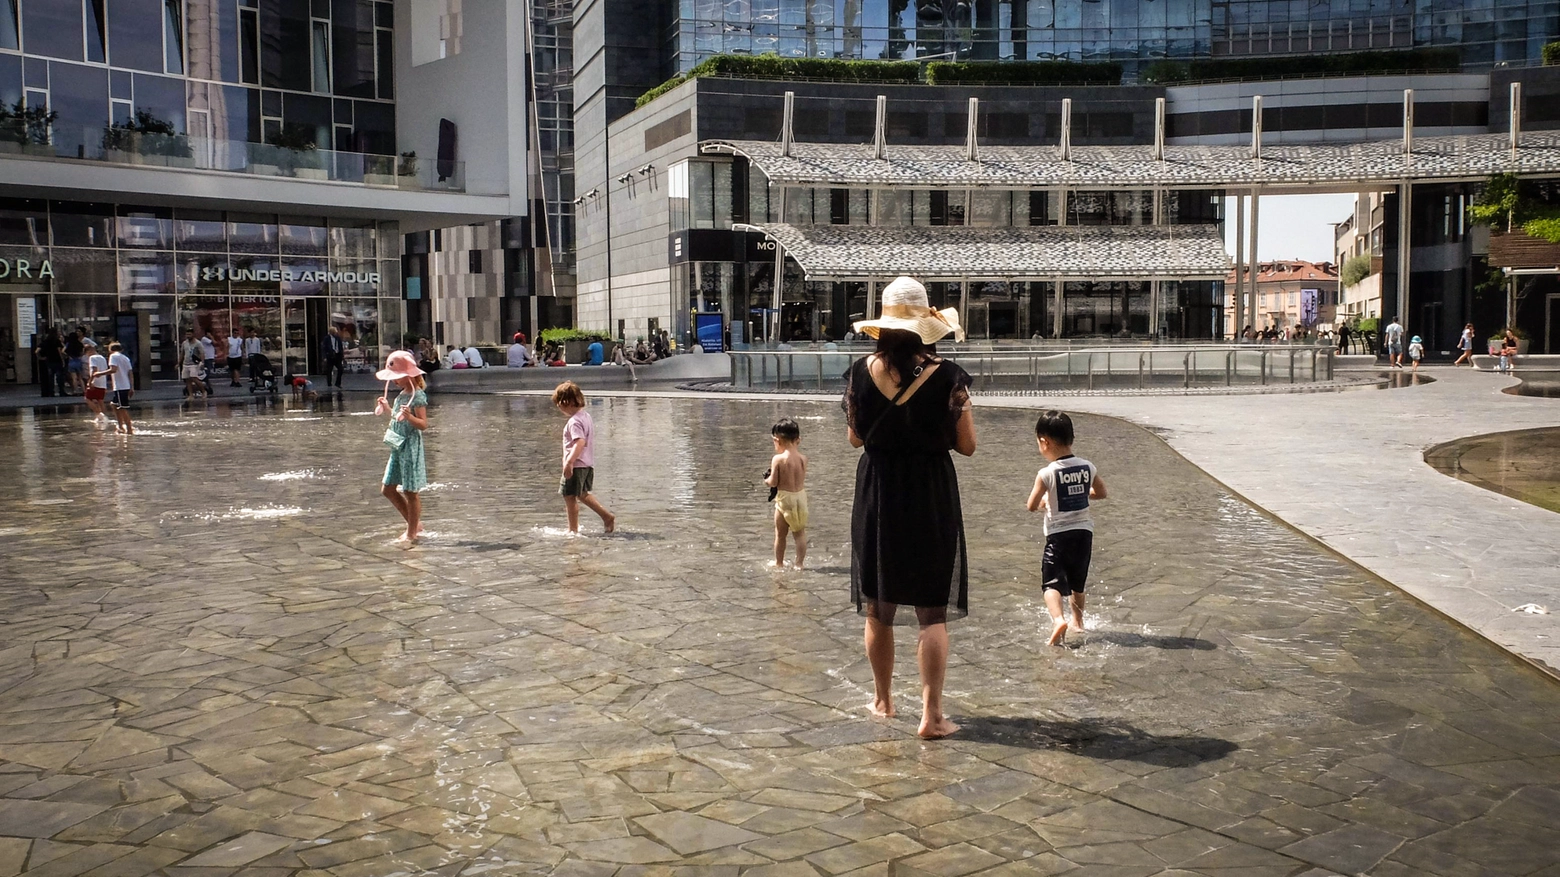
215 661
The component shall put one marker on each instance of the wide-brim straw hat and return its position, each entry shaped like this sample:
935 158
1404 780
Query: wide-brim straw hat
399 365
905 307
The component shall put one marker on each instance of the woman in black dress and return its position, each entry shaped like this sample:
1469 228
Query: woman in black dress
908 409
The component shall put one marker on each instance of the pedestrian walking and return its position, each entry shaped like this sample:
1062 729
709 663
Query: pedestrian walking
579 458
235 359
333 354
406 473
1065 486
1393 335
1465 344
907 408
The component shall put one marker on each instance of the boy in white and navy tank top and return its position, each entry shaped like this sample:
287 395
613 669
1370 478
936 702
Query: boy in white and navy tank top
1065 488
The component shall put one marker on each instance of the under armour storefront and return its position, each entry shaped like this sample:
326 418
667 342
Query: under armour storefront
69 264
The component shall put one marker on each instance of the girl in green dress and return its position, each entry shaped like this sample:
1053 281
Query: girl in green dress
407 472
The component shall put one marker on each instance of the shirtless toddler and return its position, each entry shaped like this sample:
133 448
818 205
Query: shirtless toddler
787 475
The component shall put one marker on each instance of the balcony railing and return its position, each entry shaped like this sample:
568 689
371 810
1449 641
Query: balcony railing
125 147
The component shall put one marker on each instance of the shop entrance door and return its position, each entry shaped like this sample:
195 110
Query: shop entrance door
306 321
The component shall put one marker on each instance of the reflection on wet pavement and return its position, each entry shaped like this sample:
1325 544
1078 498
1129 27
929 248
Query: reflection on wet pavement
192 681
1524 465
1547 386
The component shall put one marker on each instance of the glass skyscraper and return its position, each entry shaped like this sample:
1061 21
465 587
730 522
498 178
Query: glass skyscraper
1130 31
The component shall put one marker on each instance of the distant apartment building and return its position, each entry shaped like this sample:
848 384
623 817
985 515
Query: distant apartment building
1359 237
1292 294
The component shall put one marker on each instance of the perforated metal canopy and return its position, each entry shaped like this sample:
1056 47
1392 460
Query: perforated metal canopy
1295 168
860 252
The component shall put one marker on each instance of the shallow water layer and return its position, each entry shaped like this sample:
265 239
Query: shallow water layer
206 664
1524 464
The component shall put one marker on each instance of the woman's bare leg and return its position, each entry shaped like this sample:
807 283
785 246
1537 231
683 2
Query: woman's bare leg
413 515
932 653
397 500
880 654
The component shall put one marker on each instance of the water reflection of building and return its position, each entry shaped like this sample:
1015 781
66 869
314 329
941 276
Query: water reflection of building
218 166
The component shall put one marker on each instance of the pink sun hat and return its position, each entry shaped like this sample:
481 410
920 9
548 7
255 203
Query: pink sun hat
399 365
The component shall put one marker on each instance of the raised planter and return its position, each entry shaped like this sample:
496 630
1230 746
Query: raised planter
1495 345
1517 249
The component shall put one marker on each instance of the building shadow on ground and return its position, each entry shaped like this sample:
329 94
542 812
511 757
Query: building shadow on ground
1131 640
1105 739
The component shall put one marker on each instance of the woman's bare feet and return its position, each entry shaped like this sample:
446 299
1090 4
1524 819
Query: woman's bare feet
883 709
1058 632
933 729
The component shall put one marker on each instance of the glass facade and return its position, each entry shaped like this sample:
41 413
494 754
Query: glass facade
1131 31
296 73
710 195
288 277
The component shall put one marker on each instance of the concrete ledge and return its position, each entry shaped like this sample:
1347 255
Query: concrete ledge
687 367
1543 362
1356 360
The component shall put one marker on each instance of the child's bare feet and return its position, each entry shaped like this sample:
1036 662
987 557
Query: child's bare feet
1058 632
933 729
883 709
609 522
1077 622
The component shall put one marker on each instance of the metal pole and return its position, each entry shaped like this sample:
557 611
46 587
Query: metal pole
1408 121
880 134
1405 211
1515 135
1237 302
785 124
779 285
1066 144
1256 261
971 134
1056 311
1256 126
1159 129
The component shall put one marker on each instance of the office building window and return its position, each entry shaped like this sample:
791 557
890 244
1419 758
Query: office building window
319 50
9 34
173 35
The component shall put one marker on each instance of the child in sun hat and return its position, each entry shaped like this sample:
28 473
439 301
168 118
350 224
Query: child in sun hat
1416 351
407 469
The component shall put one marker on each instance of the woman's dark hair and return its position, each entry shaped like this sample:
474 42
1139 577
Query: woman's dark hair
1055 426
903 351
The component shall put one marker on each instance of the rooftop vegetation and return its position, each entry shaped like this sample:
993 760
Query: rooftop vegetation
1335 64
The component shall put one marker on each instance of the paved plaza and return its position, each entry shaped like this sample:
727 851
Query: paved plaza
216 661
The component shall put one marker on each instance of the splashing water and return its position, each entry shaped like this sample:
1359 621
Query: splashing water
295 475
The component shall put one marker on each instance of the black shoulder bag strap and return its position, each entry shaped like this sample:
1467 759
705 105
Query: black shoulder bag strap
893 404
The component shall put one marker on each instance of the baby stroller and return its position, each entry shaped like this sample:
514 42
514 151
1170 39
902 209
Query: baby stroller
260 374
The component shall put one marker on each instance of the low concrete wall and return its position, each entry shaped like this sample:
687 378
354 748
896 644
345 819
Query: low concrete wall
677 369
1543 362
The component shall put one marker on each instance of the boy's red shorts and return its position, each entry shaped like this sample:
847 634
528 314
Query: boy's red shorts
96 394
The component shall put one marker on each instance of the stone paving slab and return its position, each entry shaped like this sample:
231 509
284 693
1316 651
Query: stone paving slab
1349 470
213 650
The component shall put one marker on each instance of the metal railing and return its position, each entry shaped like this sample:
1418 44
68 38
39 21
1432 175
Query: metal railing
1122 366
126 147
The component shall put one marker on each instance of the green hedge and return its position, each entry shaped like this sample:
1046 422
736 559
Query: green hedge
559 336
1551 54
1023 72
1355 269
776 67
1344 63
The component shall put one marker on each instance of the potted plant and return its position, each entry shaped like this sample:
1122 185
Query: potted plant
575 342
1498 340
294 152
26 129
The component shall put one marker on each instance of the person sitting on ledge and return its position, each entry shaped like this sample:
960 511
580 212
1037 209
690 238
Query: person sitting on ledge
474 357
517 356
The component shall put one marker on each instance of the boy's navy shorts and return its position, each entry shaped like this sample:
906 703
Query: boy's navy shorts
1065 564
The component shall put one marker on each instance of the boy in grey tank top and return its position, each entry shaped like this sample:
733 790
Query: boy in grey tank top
1064 487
